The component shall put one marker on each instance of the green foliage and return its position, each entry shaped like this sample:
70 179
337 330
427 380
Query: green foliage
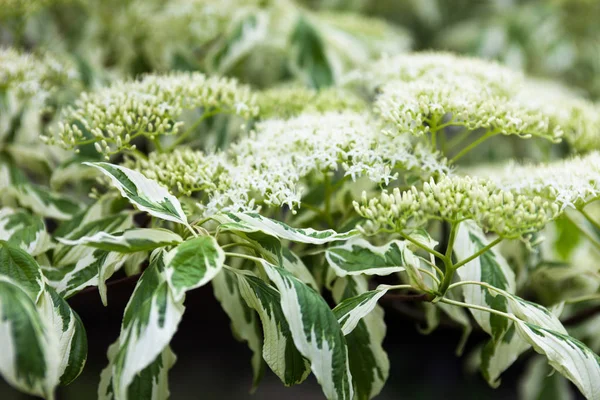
341 172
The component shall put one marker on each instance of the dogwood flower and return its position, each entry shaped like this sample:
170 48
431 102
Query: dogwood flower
454 199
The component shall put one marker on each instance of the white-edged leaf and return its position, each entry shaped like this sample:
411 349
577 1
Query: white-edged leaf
146 194
358 257
351 310
490 268
93 268
538 383
21 268
24 230
279 351
504 347
567 355
151 383
316 333
369 363
252 222
43 202
129 241
150 321
271 249
86 225
244 321
67 334
192 264
28 360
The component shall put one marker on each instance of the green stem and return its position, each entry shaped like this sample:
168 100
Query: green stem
451 239
236 244
245 256
422 246
394 287
474 144
448 276
157 144
480 252
433 140
480 308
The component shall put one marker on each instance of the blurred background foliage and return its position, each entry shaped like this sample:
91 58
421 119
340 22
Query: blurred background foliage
315 41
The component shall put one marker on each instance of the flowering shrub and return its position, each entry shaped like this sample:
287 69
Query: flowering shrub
302 206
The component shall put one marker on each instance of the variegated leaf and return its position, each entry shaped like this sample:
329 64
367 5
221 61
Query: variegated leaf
43 202
150 321
92 269
351 310
252 222
66 332
538 383
271 249
504 347
567 355
24 230
146 194
316 333
28 361
358 257
151 383
244 322
490 268
129 241
21 268
369 363
192 264
279 351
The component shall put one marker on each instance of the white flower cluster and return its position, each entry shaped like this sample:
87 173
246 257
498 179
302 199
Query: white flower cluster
454 199
25 75
184 171
152 106
423 66
578 118
433 90
289 101
273 165
569 183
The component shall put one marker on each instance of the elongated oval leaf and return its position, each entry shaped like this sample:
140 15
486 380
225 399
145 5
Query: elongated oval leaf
27 357
24 230
151 383
279 350
144 193
20 267
192 264
369 363
150 321
351 310
244 322
316 333
252 222
505 347
67 334
567 355
129 241
357 257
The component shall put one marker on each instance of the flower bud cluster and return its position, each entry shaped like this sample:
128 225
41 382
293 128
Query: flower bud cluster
578 118
454 199
569 183
419 106
25 75
112 117
184 171
289 101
